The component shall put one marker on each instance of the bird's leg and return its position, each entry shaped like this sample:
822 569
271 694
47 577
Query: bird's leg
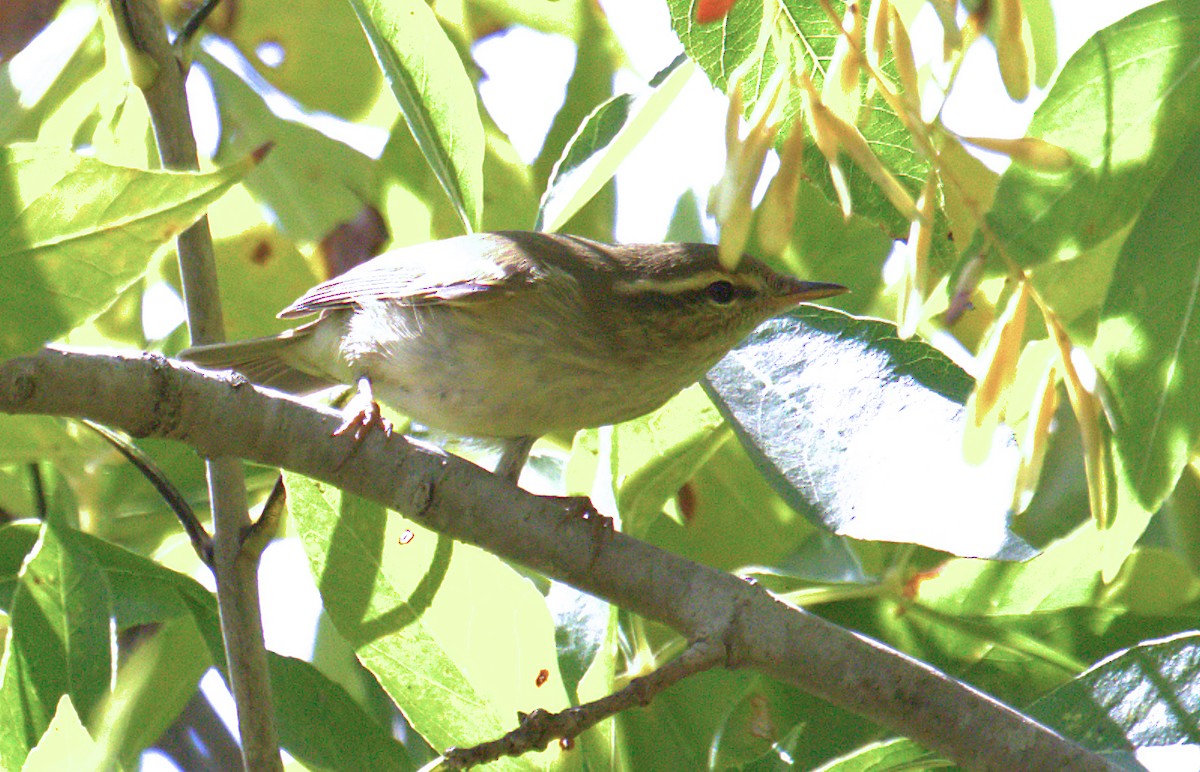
512 460
513 456
361 413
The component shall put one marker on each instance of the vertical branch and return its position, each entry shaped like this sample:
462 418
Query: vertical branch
160 76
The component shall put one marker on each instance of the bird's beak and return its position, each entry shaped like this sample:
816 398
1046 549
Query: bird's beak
805 291
815 290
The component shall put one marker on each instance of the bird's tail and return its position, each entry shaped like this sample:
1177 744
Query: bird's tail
266 361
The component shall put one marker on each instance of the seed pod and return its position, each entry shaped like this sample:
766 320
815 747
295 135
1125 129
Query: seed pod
1027 151
825 139
906 65
1011 52
730 201
1097 466
1001 353
920 239
877 32
952 39
855 144
1037 438
777 211
840 91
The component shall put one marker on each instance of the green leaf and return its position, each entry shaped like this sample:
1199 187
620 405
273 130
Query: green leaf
597 56
59 642
655 455
1045 40
309 181
863 432
65 745
324 726
154 683
900 753
435 95
732 717
75 232
454 635
1126 105
746 44
1144 696
1148 343
314 715
602 142
68 53
326 63
25 439
729 517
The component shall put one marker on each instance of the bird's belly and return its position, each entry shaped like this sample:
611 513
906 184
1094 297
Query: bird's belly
505 394
448 374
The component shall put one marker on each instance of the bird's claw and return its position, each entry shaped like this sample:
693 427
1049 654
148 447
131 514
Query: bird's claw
360 417
582 508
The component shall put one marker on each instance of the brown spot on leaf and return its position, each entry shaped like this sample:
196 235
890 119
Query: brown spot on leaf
542 676
685 500
262 151
354 242
261 253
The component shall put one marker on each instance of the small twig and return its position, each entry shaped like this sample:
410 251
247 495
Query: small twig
192 25
538 728
201 541
38 490
259 534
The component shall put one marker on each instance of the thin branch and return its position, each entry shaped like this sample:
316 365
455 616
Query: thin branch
160 75
260 533
201 541
538 728
192 25
224 415
37 489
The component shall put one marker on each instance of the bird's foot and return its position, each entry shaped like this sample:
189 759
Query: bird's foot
601 526
582 508
362 414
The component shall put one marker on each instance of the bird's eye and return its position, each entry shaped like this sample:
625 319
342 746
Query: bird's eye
720 291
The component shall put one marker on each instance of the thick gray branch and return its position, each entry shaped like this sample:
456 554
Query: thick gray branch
152 396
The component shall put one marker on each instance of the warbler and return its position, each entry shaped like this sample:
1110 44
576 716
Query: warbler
514 335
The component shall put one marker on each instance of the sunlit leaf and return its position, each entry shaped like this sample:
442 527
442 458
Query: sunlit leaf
454 635
1146 64
862 431
75 232
319 57
605 139
309 182
59 642
1148 343
65 745
318 721
1144 696
436 96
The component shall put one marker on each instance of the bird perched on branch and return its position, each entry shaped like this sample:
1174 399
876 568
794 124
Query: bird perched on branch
516 334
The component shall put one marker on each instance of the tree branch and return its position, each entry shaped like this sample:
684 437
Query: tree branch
148 395
538 728
159 74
